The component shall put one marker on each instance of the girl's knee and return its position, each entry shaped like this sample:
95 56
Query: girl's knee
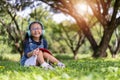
40 52
46 54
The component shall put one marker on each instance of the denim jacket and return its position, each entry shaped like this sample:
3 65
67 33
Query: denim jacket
30 45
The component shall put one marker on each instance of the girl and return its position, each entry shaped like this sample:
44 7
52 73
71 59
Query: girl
35 49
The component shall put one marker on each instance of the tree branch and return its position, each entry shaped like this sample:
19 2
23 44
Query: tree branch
118 21
116 7
97 13
70 41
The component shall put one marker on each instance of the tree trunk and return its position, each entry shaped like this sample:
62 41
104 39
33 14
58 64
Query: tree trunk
21 54
101 50
115 49
19 49
114 55
75 56
112 51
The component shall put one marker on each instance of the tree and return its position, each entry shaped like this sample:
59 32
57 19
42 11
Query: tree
109 21
74 39
10 24
114 45
100 9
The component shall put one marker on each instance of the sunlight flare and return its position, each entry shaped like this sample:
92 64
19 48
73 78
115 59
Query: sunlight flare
83 9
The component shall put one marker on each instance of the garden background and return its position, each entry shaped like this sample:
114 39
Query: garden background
85 36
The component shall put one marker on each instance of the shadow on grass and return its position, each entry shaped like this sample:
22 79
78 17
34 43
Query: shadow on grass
68 57
3 59
63 57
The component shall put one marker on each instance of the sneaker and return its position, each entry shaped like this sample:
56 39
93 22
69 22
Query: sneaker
61 65
46 66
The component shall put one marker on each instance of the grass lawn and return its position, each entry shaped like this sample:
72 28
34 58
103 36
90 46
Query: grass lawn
81 69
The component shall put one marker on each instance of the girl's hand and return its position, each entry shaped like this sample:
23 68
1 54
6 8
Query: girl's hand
35 52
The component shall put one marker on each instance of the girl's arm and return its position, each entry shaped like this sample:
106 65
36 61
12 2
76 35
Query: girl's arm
27 51
29 54
33 53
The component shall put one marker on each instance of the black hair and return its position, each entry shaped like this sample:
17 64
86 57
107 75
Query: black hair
37 23
27 35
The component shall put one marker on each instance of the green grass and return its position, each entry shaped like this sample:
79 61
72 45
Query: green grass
82 69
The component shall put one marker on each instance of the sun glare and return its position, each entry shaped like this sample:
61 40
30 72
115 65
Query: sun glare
83 9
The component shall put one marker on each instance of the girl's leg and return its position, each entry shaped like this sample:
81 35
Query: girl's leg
40 58
53 59
50 57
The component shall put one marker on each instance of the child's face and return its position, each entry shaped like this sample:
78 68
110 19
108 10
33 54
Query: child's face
36 30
